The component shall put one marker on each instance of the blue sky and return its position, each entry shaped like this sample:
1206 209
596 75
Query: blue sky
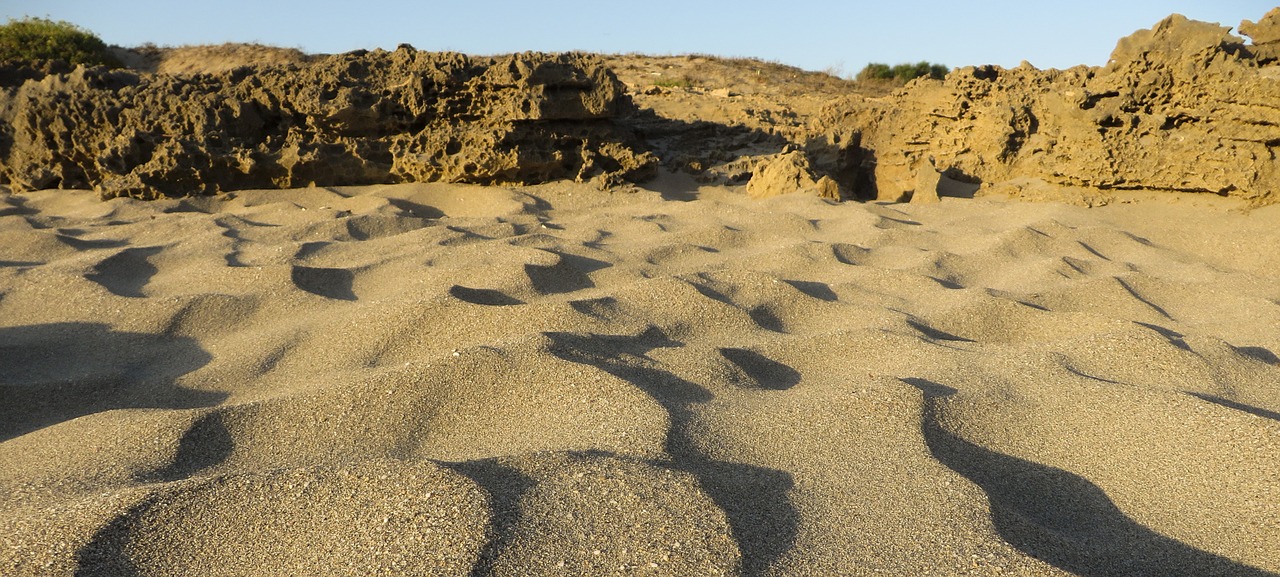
815 35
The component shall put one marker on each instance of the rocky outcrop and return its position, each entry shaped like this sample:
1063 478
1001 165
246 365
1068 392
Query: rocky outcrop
358 118
789 173
1182 107
1185 106
1265 35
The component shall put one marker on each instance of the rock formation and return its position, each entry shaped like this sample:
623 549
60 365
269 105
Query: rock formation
1265 35
789 173
357 118
1183 107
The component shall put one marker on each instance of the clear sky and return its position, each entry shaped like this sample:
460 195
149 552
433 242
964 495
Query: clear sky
811 34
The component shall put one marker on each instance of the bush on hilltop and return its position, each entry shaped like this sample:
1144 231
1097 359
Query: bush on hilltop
33 40
902 73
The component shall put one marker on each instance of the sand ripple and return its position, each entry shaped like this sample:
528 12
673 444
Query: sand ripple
434 379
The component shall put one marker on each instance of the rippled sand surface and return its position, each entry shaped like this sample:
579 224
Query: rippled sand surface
447 380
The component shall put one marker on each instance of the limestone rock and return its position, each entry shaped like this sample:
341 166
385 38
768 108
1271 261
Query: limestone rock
358 118
1266 30
1182 107
1175 37
789 173
926 189
828 188
1265 34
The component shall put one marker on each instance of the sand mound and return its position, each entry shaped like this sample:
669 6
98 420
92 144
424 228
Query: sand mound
452 379
406 518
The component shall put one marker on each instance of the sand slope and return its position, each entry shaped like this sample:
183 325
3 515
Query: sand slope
433 379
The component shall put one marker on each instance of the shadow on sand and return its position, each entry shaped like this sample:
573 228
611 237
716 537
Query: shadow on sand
52 373
1062 518
754 499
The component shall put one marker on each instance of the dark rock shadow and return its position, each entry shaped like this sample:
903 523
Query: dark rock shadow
955 183
486 297
56 372
763 521
127 272
332 283
1062 518
693 147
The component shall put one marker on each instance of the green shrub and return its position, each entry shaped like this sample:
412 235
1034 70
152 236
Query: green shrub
875 71
39 39
681 82
902 73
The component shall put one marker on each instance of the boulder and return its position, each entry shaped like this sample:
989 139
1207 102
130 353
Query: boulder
926 188
788 173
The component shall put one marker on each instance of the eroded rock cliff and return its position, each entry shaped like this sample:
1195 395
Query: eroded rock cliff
356 118
1184 106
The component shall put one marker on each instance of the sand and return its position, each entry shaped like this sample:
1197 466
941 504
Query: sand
431 379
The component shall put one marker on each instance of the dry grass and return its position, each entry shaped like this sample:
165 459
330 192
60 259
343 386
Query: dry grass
210 58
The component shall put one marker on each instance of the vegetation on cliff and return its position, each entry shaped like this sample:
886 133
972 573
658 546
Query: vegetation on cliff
901 73
34 40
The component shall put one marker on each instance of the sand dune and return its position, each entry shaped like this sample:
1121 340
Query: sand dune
430 379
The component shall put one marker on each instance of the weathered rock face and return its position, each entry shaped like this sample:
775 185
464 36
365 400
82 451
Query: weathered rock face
1184 106
1265 35
358 118
790 173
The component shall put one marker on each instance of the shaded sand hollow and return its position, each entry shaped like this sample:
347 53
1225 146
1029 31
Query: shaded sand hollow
435 379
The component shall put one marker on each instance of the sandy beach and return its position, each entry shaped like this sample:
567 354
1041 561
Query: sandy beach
409 313
433 379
